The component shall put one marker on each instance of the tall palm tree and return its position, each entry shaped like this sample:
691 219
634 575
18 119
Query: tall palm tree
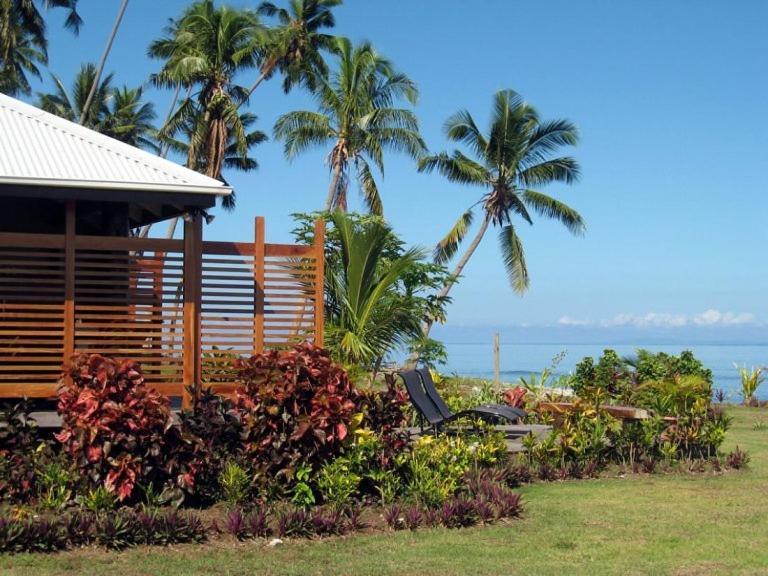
179 142
23 41
358 119
516 156
119 113
26 56
295 46
103 59
204 51
366 314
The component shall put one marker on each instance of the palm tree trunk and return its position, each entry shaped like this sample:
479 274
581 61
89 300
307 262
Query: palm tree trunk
256 84
102 62
427 326
163 149
329 201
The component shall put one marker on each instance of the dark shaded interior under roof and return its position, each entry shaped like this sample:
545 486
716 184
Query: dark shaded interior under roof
107 212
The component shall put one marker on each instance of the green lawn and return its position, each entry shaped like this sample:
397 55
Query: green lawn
701 524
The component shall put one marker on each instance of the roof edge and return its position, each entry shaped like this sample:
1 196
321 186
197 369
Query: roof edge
112 185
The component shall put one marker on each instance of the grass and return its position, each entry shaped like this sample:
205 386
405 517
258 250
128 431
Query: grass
676 524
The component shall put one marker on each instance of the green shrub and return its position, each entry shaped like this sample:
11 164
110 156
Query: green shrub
235 482
338 482
750 382
436 467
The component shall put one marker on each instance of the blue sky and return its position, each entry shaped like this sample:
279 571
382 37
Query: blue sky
670 98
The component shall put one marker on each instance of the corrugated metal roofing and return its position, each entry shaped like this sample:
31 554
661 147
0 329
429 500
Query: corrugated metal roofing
42 149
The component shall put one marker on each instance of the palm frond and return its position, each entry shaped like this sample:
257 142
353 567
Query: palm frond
368 187
449 245
457 168
564 169
552 208
514 259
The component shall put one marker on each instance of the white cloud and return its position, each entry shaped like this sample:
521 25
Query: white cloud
568 321
651 319
709 317
714 317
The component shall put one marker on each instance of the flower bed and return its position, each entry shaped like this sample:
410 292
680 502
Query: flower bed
297 452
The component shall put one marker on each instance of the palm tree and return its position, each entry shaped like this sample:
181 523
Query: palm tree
294 47
204 51
514 157
103 59
69 103
119 113
26 55
23 42
179 142
366 314
357 118
130 119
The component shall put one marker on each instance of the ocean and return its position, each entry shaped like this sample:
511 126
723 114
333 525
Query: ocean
476 359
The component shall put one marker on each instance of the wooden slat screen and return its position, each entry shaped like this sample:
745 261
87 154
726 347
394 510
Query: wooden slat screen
128 304
31 315
255 296
124 297
289 296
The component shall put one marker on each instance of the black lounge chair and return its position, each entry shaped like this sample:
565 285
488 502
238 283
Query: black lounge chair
497 410
438 415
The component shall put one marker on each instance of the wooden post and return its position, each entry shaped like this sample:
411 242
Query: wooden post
193 259
319 281
258 285
496 359
69 282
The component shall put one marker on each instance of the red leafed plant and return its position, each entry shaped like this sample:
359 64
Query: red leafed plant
515 397
384 413
118 430
296 408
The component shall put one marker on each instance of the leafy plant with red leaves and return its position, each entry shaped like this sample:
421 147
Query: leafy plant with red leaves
384 413
18 441
296 407
118 430
515 397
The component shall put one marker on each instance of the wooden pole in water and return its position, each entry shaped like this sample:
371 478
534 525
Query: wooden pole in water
496 360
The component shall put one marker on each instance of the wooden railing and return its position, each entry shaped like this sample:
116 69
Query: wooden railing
183 308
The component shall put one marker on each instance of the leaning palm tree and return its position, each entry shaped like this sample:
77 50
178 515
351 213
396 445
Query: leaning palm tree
119 113
365 314
103 60
204 51
510 161
294 47
23 40
358 119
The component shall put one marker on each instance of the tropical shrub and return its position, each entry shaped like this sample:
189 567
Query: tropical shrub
435 468
377 292
338 482
296 407
235 483
117 430
384 411
18 441
211 433
750 382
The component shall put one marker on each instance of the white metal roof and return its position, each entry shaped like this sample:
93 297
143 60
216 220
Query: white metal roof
38 148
